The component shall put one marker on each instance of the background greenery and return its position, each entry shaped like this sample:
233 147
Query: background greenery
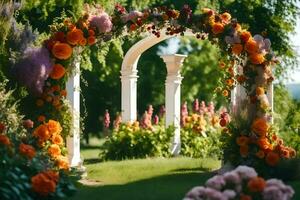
100 74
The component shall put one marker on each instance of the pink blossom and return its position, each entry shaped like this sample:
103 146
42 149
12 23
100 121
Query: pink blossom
184 113
216 182
162 111
146 121
156 120
150 110
106 121
132 16
245 172
202 109
230 194
211 108
196 106
232 177
117 121
102 22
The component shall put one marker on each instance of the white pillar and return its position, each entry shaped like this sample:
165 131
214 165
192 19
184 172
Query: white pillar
73 95
129 95
172 96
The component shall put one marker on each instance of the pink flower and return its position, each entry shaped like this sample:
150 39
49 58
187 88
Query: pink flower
184 113
216 182
102 22
146 121
150 110
156 120
132 16
162 111
106 121
245 172
232 177
196 106
202 109
117 121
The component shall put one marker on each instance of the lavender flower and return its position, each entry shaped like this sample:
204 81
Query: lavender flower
216 182
246 172
102 22
230 194
33 69
232 177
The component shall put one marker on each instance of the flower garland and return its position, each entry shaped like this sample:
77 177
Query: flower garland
246 60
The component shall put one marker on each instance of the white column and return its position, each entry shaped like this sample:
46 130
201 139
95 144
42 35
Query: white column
73 95
129 95
172 96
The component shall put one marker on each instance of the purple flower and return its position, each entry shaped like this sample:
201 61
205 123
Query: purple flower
246 172
33 69
230 194
232 177
102 22
216 182
195 193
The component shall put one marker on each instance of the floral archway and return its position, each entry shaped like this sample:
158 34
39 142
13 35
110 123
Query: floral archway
246 61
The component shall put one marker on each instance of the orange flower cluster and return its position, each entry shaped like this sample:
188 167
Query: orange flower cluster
27 150
256 184
4 140
45 182
58 72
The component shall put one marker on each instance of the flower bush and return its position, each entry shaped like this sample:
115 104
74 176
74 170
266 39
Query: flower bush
27 171
242 183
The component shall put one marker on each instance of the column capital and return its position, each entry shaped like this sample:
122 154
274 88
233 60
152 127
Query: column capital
129 74
173 63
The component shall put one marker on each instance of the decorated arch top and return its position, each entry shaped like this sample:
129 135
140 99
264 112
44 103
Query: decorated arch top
246 59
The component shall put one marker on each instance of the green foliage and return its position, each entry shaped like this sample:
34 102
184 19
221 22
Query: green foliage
196 146
133 142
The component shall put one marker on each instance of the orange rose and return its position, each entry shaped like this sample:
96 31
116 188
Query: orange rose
91 32
83 42
4 140
237 49
58 72
57 139
260 91
91 40
45 182
256 184
27 150
251 46
260 127
257 58
260 154
62 51
241 78
42 133
242 140
54 151
74 36
272 158
217 28
54 127
244 150
226 17
62 162
225 93
263 143
245 36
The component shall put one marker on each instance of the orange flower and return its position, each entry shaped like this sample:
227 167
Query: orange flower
241 78
58 72
217 28
244 150
83 42
42 133
251 46
62 51
237 49
49 99
91 40
245 197
285 153
260 91
62 162
225 93
257 58
230 82
27 150
242 140
41 118
245 36
54 151
39 103
222 65
91 32
256 184
292 152
74 36
63 93
260 154
4 140
263 143
226 17
57 139
44 182
54 127
260 127
272 158
274 137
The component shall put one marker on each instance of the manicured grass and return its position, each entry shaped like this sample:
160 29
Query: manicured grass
146 179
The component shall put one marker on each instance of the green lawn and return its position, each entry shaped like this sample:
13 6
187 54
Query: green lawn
144 179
